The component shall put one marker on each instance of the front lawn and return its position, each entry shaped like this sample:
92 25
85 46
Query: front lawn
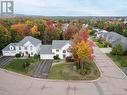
68 71
17 65
121 61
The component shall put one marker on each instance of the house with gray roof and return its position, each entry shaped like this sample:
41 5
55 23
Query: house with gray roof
58 48
31 46
114 38
28 46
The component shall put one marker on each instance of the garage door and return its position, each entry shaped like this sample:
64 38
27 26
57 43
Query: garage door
8 53
46 56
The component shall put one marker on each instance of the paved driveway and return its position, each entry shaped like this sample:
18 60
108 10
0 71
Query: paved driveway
4 61
42 69
112 82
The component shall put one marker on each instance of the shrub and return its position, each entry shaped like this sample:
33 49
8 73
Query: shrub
18 55
125 32
56 57
117 50
106 44
69 59
36 56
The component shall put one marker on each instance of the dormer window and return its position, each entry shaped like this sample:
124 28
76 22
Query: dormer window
11 48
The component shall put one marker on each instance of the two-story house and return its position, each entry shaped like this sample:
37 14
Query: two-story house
58 47
28 46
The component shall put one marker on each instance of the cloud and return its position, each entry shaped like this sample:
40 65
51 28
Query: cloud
71 7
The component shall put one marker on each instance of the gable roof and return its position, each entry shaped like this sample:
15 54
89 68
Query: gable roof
46 49
115 38
7 47
57 44
31 39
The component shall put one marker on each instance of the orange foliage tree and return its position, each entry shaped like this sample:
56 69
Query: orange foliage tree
82 48
34 30
21 29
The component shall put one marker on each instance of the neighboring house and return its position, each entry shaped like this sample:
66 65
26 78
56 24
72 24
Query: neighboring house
114 38
64 27
84 26
58 48
100 33
29 46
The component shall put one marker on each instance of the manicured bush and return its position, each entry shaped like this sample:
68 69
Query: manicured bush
18 55
56 57
117 50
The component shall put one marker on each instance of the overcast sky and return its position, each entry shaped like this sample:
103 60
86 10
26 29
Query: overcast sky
71 7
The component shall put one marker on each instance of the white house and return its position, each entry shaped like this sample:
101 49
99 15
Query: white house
27 46
58 47
31 46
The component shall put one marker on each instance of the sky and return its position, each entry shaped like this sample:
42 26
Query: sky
71 7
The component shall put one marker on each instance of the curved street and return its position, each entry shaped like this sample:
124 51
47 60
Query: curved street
112 82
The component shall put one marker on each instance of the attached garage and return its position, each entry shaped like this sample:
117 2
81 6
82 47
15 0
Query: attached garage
8 53
46 56
46 52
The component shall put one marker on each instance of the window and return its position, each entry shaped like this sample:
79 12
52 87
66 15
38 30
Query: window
31 53
64 55
57 50
64 51
11 48
31 47
25 48
19 48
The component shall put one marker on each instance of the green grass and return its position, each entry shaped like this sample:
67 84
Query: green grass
121 61
67 71
16 65
100 45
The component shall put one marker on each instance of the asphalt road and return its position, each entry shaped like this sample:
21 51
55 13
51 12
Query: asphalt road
112 82
42 69
4 60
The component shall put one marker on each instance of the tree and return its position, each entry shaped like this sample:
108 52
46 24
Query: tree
83 52
82 35
117 50
21 28
51 34
34 30
70 32
5 37
15 36
124 32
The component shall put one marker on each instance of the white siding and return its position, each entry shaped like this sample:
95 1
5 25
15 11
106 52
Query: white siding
60 53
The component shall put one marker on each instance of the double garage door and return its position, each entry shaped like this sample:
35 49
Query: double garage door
46 56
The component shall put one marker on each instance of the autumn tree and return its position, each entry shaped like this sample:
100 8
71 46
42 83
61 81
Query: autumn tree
82 48
34 31
21 28
70 32
5 37
50 35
